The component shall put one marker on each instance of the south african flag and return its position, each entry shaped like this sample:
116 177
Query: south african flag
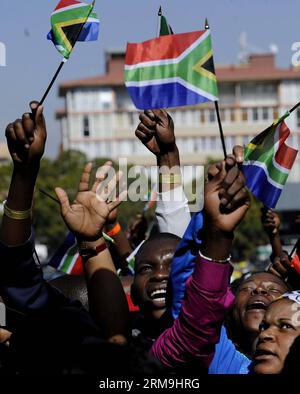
268 162
171 70
67 259
72 21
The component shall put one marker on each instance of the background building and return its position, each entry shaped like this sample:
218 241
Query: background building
99 118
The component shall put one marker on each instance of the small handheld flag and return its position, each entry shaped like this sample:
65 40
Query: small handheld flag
131 258
151 198
67 259
170 71
72 21
268 161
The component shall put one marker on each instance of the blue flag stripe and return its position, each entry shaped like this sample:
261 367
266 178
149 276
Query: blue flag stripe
257 182
164 96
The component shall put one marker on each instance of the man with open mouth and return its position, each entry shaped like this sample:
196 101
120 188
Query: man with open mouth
149 288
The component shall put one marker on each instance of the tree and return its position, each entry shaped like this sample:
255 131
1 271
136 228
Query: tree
249 234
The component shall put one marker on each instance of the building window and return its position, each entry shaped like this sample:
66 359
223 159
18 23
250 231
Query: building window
298 118
212 116
265 113
222 115
86 126
230 142
245 114
131 118
202 116
255 114
106 105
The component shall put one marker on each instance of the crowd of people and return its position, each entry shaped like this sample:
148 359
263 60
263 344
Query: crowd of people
183 314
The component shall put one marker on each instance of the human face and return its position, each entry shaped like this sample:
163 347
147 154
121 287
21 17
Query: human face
149 287
278 330
252 299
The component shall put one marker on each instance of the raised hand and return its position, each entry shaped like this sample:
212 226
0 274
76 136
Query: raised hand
270 221
281 266
226 199
91 208
226 202
156 131
26 137
100 176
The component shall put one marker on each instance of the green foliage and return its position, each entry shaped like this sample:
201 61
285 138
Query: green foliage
250 233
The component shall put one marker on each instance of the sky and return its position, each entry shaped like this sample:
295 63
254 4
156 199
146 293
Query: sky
31 60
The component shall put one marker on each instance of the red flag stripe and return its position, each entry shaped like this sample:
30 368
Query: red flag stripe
66 3
77 267
161 48
285 155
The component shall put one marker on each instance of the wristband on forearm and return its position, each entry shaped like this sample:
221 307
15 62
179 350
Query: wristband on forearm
114 231
87 252
170 179
17 215
215 260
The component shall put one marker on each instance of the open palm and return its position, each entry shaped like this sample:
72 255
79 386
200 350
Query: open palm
89 212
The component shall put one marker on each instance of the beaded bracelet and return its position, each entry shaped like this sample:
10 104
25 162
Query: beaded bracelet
115 230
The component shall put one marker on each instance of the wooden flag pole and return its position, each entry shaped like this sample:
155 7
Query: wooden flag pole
218 112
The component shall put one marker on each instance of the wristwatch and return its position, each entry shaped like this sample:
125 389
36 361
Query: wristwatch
86 251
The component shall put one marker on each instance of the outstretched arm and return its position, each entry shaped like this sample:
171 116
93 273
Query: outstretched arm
197 329
271 223
86 218
26 139
156 132
21 281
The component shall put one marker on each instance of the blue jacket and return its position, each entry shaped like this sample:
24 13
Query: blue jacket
22 285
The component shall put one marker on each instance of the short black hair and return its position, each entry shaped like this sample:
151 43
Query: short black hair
157 237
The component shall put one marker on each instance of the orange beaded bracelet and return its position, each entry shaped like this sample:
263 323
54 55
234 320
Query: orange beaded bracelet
115 230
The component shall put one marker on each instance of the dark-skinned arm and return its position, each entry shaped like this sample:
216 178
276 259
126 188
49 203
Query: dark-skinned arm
26 142
208 299
86 218
21 281
271 223
156 132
